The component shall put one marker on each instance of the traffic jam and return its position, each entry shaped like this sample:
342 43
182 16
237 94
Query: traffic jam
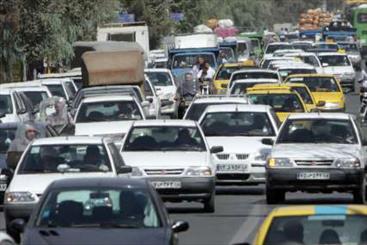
101 153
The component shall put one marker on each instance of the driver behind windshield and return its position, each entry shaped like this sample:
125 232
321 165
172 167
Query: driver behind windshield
184 138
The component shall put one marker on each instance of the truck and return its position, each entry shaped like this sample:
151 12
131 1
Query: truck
185 50
128 32
359 21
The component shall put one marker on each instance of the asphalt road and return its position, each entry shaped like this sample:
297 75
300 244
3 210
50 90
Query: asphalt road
239 210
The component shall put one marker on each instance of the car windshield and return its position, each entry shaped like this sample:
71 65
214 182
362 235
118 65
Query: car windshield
165 138
237 124
107 111
6 106
280 102
99 207
241 88
305 95
335 60
349 47
318 230
274 47
197 109
317 84
56 90
71 89
328 46
310 59
228 53
65 158
189 60
318 131
254 75
284 73
7 135
160 78
303 46
225 72
36 97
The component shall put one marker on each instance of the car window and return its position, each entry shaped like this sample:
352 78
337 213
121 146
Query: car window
116 156
318 131
36 97
160 78
147 89
99 208
279 102
272 48
108 111
317 84
335 60
254 75
18 103
189 60
169 138
56 90
275 117
197 109
284 73
318 229
6 105
70 89
237 124
7 135
302 91
65 158
225 72
241 88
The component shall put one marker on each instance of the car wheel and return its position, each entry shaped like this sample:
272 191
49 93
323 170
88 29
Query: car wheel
209 204
274 196
15 235
359 196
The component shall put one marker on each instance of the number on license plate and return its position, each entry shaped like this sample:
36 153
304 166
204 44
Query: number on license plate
313 176
166 184
231 167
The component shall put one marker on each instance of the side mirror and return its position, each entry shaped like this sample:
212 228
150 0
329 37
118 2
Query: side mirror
216 149
18 225
267 141
180 226
325 64
124 169
320 103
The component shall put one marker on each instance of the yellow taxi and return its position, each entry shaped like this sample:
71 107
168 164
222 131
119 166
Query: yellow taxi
224 72
325 89
284 101
300 88
314 224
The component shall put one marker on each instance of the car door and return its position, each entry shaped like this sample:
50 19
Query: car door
151 96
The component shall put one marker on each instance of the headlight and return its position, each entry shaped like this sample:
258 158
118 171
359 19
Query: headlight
136 172
279 163
199 171
348 163
19 197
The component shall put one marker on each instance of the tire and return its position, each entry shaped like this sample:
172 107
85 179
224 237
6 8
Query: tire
274 196
15 235
209 204
359 196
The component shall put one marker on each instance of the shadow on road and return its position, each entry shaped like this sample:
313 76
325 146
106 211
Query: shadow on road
240 190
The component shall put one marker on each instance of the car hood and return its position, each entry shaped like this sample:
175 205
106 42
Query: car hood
37 183
338 69
328 96
102 128
316 151
81 236
166 159
238 144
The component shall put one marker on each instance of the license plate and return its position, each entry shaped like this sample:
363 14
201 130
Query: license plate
313 176
3 187
231 167
166 184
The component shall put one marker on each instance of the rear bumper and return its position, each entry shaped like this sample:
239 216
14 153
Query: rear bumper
340 179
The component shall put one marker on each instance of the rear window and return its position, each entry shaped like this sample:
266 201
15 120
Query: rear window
6 106
36 97
57 90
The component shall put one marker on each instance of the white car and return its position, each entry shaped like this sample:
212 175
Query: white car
264 64
239 87
109 115
49 159
296 68
240 130
175 157
283 52
253 74
166 89
13 107
353 52
317 152
339 65
308 58
200 103
272 47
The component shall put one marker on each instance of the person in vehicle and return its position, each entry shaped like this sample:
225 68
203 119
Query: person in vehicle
222 58
49 159
207 72
60 117
329 236
184 138
93 157
200 63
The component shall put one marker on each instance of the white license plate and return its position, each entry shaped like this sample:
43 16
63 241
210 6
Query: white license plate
231 167
166 184
3 187
313 176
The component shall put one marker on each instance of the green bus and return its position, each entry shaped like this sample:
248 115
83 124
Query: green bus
359 21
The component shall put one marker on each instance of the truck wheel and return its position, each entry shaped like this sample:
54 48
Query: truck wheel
209 204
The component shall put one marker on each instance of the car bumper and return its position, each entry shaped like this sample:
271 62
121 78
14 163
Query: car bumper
339 180
254 174
192 188
14 211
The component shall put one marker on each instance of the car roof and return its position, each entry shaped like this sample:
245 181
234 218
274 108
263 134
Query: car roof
163 122
256 80
114 183
269 91
278 85
311 75
237 107
253 71
331 54
68 140
279 43
324 115
241 64
108 98
320 210
211 99
157 70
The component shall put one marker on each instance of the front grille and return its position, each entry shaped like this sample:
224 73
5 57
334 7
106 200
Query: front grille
242 156
223 156
177 171
233 176
314 162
